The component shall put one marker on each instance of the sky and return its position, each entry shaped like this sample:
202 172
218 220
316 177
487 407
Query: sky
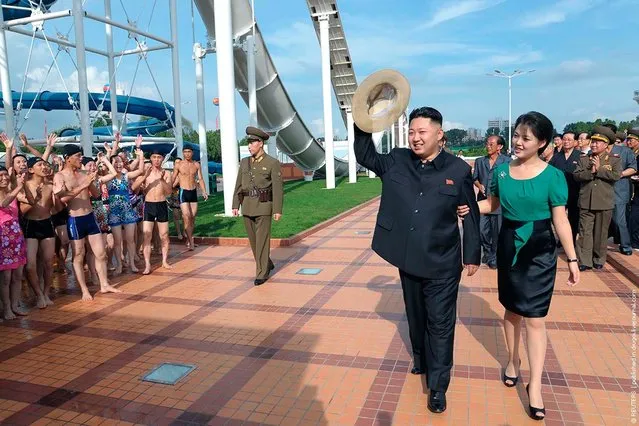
584 53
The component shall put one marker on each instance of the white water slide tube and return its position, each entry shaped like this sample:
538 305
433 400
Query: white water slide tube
276 113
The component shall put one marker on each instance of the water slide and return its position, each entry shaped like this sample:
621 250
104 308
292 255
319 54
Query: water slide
50 101
275 112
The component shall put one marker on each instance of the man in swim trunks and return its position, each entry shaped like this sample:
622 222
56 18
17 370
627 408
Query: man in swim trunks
75 188
185 173
157 186
38 229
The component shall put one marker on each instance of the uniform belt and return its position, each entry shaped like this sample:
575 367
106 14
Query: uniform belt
256 192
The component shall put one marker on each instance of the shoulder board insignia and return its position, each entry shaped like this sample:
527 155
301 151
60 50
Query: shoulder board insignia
615 155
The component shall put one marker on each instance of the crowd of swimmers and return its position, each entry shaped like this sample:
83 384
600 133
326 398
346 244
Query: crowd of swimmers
107 210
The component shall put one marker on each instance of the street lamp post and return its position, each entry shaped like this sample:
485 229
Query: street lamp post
498 73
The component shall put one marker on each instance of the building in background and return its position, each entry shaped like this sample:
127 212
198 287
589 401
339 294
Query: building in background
498 123
636 97
474 134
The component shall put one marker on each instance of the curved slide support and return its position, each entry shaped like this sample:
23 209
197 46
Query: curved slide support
276 114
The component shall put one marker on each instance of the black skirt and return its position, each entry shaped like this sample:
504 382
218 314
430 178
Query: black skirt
526 286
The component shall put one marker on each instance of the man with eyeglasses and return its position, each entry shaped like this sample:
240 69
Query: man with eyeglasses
489 224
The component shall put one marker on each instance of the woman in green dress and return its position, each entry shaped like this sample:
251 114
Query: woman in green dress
533 198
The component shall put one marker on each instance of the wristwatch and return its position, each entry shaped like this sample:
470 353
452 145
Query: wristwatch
572 260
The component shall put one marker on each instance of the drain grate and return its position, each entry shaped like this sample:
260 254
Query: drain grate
168 373
309 271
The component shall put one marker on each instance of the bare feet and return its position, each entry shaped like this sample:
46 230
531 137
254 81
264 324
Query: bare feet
166 265
118 269
147 270
180 237
86 296
134 269
109 289
48 300
20 311
8 314
41 302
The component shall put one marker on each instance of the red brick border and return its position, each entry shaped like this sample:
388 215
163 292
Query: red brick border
280 242
621 263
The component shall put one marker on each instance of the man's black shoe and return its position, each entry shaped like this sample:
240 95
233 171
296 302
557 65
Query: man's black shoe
437 401
260 281
597 266
416 371
584 268
625 250
492 265
271 266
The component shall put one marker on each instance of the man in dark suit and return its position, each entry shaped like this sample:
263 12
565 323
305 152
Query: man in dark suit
567 161
417 231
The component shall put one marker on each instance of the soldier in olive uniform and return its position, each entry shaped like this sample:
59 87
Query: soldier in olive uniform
597 172
260 192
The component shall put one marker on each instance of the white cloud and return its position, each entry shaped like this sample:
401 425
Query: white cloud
483 65
447 125
556 13
317 126
456 9
579 66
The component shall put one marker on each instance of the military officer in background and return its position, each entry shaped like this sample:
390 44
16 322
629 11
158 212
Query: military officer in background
623 190
567 161
632 139
260 193
597 172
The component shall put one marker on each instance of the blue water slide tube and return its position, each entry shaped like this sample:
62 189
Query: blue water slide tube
50 101
10 14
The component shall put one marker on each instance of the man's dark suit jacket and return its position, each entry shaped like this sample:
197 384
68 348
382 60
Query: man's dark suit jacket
417 226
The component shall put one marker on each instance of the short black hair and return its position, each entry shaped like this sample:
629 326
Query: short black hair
582 133
500 140
157 152
574 135
19 155
113 157
177 158
426 112
187 148
539 125
3 169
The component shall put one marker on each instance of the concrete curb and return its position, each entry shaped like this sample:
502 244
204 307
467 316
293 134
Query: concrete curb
279 242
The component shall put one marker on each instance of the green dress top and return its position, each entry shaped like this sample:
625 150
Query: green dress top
528 200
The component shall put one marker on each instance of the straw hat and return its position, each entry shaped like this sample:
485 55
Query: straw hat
379 101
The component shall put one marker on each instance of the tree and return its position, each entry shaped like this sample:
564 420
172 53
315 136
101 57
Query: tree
456 137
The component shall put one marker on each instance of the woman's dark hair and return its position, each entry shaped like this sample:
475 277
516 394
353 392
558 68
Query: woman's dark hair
539 125
3 169
426 112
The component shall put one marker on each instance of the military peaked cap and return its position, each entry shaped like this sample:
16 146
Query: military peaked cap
603 133
254 134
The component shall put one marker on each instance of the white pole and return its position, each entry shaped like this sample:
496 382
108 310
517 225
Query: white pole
226 87
352 161
510 109
5 79
250 65
199 53
83 90
175 62
393 140
113 92
328 107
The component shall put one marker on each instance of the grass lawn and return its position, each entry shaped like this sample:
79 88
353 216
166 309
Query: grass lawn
305 204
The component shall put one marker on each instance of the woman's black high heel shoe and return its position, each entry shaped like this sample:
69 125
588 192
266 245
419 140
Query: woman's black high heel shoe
535 413
514 380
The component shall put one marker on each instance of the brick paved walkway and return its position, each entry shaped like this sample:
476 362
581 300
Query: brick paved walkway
304 349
